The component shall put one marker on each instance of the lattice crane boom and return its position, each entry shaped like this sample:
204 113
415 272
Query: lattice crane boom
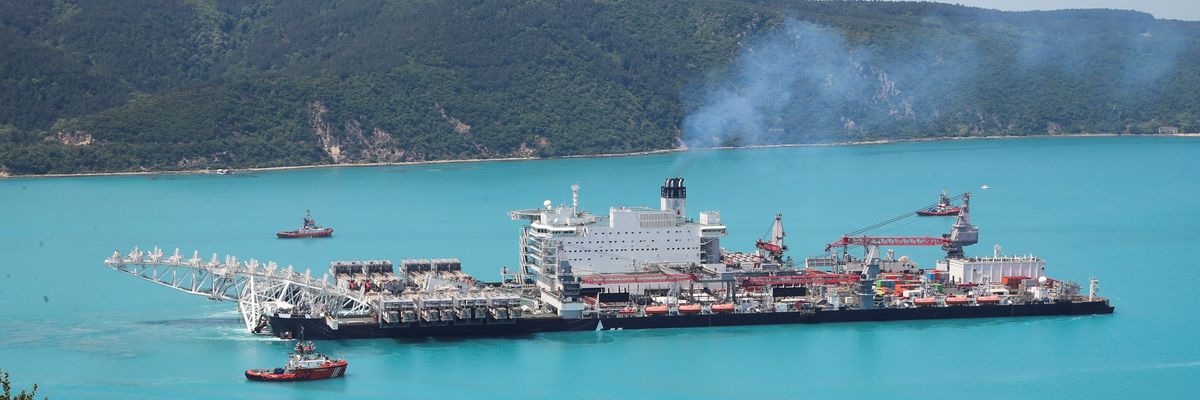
887 241
257 287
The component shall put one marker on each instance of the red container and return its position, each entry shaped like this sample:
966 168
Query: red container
1013 282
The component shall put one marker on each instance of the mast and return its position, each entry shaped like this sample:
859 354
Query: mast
773 246
575 199
963 233
777 233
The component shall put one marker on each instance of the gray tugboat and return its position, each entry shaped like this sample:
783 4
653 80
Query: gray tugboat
310 229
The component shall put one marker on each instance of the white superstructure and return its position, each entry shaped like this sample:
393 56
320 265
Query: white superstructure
627 240
624 239
992 269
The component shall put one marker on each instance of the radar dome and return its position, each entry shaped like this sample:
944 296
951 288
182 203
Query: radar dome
1041 280
547 203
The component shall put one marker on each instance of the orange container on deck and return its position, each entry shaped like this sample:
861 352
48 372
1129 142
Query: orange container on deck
1013 282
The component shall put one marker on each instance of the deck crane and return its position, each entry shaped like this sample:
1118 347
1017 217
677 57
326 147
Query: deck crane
774 246
961 234
632 279
805 277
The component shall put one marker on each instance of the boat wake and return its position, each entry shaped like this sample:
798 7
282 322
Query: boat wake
1191 364
225 313
194 321
237 332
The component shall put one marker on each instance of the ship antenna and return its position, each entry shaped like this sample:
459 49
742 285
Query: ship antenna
575 197
965 213
777 233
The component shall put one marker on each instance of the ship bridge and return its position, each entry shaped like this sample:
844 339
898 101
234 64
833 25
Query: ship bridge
260 289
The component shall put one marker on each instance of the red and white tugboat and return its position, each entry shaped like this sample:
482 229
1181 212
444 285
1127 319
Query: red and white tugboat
942 209
309 230
304 365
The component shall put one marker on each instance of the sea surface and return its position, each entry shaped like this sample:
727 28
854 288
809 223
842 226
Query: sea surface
1124 210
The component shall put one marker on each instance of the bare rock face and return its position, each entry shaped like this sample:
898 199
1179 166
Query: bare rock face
358 141
76 138
460 127
380 149
524 151
193 162
464 130
1053 128
321 128
352 143
380 136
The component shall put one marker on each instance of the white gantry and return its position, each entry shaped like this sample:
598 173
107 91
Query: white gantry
260 289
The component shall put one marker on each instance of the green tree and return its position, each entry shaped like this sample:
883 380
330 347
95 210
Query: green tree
137 85
6 387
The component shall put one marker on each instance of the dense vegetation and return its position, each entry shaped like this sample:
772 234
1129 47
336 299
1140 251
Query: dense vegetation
6 390
127 85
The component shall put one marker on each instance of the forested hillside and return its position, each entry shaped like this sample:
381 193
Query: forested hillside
134 85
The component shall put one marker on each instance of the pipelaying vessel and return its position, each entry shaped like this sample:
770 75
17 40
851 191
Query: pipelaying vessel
634 268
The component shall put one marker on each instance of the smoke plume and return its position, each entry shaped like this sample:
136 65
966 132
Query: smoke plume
976 73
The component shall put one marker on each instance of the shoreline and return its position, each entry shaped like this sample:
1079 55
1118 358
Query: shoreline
602 155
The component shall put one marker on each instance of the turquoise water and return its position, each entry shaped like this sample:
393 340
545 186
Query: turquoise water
1126 210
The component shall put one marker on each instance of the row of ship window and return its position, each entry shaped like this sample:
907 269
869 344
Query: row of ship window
612 250
622 241
630 233
541 230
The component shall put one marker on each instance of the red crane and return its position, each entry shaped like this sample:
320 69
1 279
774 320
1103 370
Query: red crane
769 247
887 241
963 233
774 243
629 279
804 279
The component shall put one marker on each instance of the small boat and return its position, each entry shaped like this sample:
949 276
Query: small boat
305 364
987 300
925 301
224 171
308 230
689 309
956 300
722 308
656 310
985 187
943 208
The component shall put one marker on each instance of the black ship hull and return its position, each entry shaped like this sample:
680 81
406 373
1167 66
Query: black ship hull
317 329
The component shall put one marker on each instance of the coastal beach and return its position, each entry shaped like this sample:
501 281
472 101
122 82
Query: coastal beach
605 155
